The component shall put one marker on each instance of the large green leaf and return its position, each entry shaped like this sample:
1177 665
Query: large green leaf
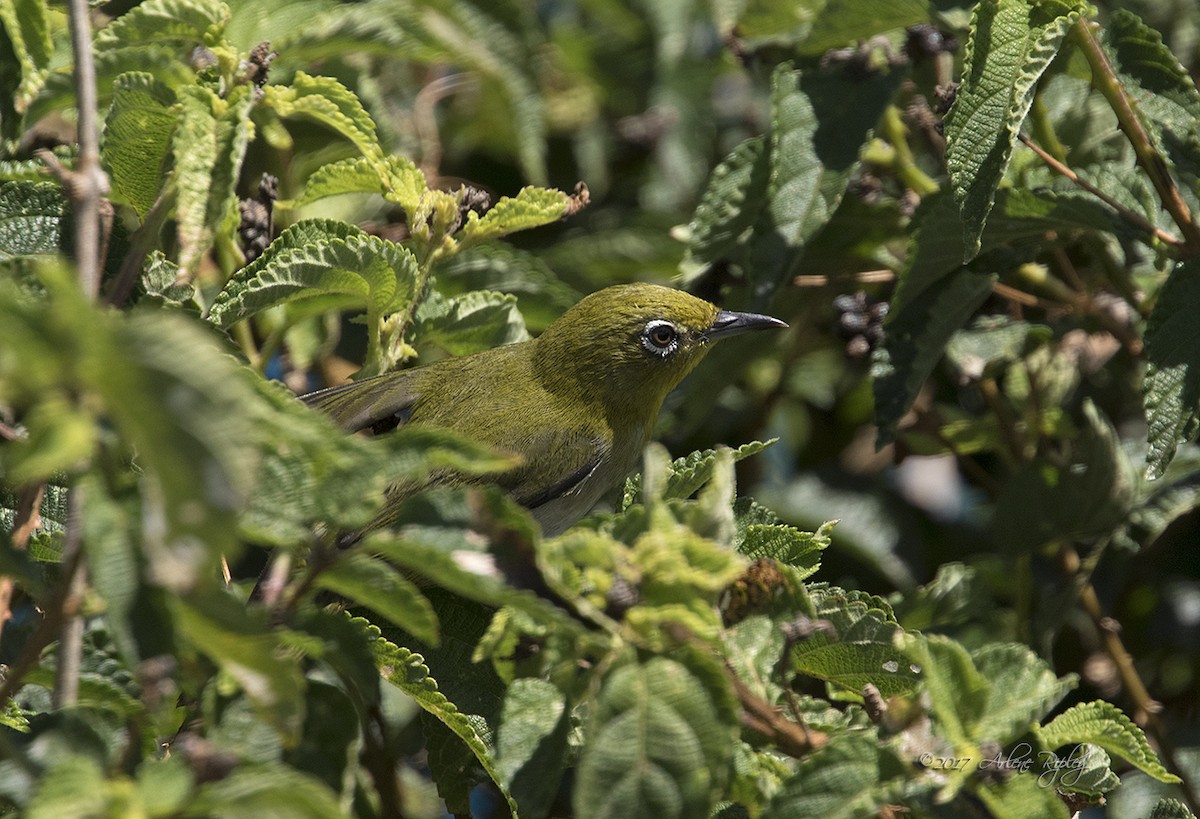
373 583
408 672
320 259
158 21
815 136
265 790
862 647
531 207
465 324
839 781
208 146
916 337
1172 385
1102 723
1012 43
137 138
1084 494
327 101
657 746
531 743
732 201
395 178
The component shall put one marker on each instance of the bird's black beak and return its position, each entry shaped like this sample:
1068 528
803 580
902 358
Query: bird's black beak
728 324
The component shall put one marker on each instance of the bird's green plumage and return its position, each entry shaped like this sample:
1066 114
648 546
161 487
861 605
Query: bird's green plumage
577 404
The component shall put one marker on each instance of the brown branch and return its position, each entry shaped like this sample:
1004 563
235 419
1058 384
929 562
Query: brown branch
1148 708
863 277
1124 212
70 636
792 738
1106 81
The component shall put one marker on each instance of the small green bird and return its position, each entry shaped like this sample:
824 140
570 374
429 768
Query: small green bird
577 403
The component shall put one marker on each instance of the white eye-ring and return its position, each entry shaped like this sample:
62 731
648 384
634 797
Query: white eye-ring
660 337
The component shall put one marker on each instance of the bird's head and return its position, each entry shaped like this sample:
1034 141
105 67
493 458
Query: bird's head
630 345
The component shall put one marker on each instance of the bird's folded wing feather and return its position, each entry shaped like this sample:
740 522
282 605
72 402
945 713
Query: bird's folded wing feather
555 464
378 404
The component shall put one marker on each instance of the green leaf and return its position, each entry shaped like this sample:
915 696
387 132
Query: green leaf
916 335
1086 770
320 258
814 145
265 790
497 266
1170 809
327 101
1172 382
1012 43
1102 723
1168 103
137 138
839 781
209 145
862 648
531 207
469 323
1085 493
958 692
370 582
163 21
180 402
408 672
68 788
786 544
730 206
354 175
1020 796
162 285
246 647
1023 689
686 475
395 178
812 27
657 747
531 743
24 23
33 219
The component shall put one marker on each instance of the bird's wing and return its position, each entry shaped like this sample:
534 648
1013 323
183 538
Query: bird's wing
378 404
555 464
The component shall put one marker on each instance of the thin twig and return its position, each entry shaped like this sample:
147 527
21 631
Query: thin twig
86 186
1148 709
88 183
1124 212
1013 294
70 637
864 277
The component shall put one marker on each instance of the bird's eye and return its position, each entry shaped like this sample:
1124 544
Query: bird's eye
660 337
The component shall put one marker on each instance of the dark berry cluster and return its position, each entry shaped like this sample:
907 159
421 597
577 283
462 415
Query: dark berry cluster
924 40
860 322
255 227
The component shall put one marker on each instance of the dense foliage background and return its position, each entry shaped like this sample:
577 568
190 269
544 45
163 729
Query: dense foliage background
979 222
